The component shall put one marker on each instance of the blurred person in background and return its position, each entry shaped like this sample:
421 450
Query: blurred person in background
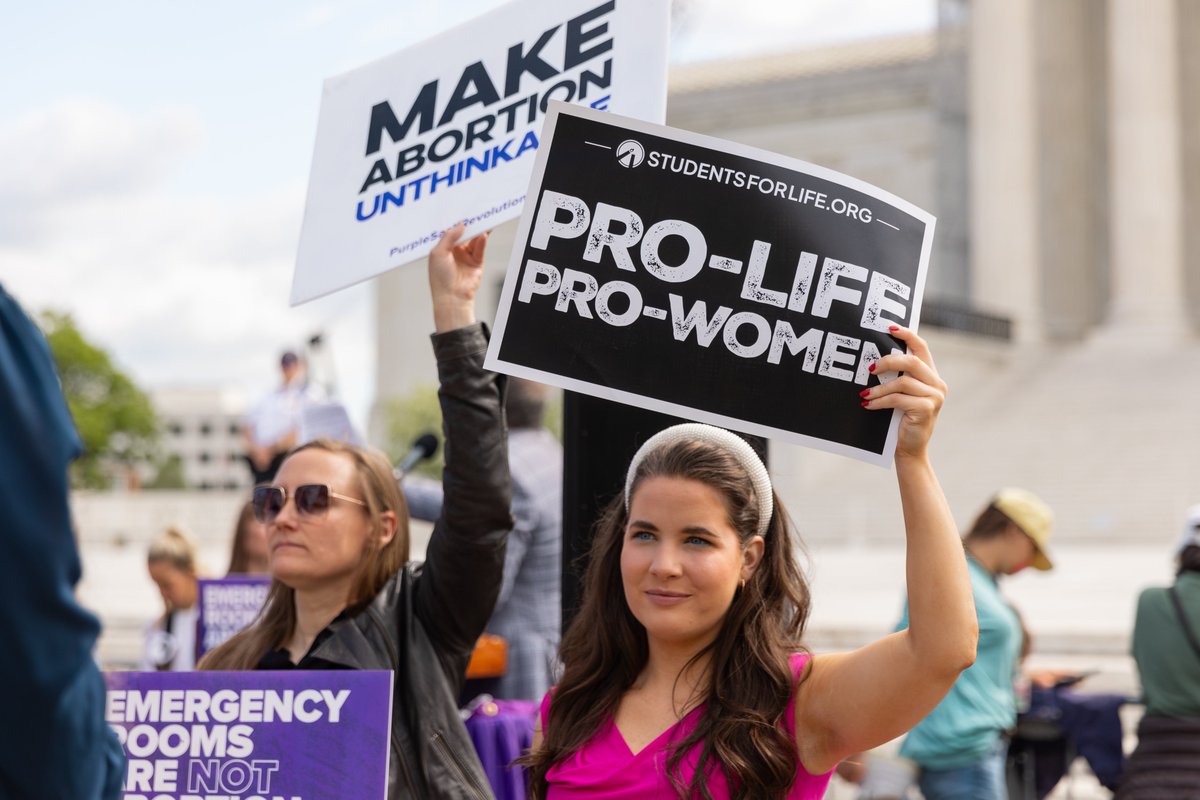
528 613
960 747
170 644
1166 648
57 745
272 428
248 554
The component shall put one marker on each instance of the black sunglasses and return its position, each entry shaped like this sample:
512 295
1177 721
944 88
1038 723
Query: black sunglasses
312 499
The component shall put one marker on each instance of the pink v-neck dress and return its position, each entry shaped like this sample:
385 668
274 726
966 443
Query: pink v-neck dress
606 769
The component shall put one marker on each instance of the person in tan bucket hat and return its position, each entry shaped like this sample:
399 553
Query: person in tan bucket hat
1001 545
960 747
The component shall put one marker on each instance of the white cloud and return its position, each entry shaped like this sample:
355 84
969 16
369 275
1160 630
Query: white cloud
182 289
66 155
415 22
88 147
317 16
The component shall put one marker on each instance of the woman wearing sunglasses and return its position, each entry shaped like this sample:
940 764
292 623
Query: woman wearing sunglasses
343 595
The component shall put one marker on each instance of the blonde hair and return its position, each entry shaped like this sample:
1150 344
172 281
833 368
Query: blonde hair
175 548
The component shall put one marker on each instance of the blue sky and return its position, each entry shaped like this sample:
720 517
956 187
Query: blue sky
154 159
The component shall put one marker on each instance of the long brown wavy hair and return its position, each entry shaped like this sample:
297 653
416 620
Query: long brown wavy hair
275 622
749 679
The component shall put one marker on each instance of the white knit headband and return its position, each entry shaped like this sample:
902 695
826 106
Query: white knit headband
719 437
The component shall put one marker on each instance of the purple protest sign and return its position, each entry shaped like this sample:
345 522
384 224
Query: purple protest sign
226 606
296 735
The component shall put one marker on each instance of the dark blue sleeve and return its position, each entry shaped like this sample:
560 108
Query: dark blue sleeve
56 743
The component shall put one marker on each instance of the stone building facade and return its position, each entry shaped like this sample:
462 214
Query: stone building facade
1059 146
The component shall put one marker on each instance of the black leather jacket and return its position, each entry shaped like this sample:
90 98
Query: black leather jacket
425 622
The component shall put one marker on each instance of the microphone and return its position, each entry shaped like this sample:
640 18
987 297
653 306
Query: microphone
422 448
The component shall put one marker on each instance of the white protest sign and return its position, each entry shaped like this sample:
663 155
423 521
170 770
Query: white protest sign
710 281
327 419
447 130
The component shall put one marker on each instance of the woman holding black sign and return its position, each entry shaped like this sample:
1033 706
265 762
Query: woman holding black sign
684 670
342 594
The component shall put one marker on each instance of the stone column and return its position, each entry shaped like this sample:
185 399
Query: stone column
950 278
1145 163
403 356
404 320
1189 95
1003 162
1072 120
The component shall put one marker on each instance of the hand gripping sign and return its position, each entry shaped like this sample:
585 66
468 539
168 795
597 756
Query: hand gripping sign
710 281
447 130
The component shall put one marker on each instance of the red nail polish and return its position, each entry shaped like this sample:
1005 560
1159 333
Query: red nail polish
893 327
864 393
865 403
871 368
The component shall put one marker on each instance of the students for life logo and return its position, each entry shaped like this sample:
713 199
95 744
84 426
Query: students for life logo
630 153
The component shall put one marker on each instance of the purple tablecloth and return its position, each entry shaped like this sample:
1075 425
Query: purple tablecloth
502 731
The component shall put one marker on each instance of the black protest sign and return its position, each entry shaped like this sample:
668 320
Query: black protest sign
711 281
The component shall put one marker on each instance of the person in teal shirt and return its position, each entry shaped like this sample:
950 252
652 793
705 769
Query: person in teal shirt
961 745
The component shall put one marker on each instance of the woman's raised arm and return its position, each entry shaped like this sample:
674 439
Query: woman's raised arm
465 558
854 701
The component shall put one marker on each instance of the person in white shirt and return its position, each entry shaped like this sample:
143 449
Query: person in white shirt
170 644
272 428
